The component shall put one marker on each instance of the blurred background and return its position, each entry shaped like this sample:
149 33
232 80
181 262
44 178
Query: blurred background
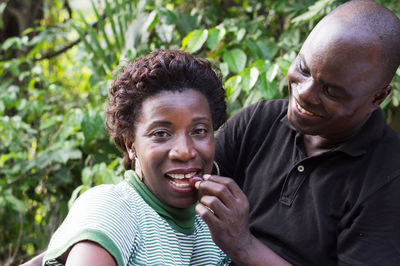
58 58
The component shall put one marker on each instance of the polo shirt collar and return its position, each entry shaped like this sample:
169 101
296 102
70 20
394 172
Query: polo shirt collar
359 143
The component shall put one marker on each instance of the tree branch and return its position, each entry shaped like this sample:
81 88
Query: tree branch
69 46
58 52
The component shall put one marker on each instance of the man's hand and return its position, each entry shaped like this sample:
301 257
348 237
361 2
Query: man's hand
225 209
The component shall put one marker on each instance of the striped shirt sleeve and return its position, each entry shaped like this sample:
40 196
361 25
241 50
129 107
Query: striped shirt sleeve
102 215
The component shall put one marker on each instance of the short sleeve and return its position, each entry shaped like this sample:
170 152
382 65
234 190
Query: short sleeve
374 236
102 215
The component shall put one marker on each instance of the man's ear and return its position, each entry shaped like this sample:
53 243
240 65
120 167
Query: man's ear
381 95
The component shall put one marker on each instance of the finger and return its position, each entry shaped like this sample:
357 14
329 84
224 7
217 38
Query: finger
216 206
226 181
219 190
208 217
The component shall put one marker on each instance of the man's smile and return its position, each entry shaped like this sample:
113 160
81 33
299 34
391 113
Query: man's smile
304 111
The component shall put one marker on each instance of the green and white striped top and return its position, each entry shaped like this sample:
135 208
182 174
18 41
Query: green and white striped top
135 228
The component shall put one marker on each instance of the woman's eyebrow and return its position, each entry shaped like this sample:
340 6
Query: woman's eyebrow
160 122
200 118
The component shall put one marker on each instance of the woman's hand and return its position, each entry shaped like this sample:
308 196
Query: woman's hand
225 209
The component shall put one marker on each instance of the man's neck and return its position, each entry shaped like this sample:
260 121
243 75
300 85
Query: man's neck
315 145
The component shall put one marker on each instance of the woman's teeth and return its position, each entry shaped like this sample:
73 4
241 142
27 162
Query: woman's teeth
186 184
181 180
181 176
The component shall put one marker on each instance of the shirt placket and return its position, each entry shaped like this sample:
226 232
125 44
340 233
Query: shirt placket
293 182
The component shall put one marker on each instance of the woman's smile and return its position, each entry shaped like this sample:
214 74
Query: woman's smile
180 179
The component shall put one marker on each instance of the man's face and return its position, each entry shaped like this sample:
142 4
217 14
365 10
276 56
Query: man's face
333 83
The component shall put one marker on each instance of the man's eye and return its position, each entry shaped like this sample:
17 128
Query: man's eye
331 93
303 68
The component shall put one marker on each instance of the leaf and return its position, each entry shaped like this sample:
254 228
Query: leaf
316 9
283 64
272 72
240 34
232 88
10 42
91 125
151 21
236 60
268 89
64 155
223 67
213 38
215 35
249 78
196 40
15 203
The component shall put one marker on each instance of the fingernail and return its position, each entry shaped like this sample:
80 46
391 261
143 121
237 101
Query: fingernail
207 176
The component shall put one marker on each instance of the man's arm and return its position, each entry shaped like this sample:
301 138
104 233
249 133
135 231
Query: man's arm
228 221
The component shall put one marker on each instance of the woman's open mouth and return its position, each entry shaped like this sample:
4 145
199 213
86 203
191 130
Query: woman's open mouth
182 180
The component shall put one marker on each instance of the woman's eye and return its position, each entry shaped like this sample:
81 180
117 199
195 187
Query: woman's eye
200 131
160 134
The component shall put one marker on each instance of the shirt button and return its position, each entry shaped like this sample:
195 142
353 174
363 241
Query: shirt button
300 168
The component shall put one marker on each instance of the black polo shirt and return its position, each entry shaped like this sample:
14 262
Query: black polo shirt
340 207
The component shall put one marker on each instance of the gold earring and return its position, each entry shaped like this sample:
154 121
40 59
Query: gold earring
217 167
138 169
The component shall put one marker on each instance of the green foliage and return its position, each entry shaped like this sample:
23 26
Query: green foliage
52 94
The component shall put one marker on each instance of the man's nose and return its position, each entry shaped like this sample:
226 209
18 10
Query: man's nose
182 148
308 92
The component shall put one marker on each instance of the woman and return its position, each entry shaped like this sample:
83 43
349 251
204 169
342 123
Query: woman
162 112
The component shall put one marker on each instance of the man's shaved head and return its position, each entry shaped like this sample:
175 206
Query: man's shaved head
368 24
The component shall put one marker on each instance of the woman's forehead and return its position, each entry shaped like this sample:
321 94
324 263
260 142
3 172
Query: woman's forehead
188 102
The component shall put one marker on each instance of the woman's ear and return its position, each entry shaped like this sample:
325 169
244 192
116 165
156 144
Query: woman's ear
381 95
130 148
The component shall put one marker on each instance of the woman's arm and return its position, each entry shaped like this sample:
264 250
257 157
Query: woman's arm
89 253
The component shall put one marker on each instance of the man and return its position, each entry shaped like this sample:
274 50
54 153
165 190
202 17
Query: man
320 172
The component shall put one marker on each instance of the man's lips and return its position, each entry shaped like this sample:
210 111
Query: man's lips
305 111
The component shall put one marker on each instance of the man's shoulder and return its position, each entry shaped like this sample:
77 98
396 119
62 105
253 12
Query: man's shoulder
262 110
381 163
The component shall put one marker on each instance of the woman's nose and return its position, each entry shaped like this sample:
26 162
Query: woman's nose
308 92
182 149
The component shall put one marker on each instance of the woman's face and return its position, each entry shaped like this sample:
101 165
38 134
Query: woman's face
174 141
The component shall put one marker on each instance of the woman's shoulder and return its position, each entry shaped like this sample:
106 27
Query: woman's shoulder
104 207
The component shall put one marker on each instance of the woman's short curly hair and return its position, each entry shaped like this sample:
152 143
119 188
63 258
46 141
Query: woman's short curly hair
161 70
